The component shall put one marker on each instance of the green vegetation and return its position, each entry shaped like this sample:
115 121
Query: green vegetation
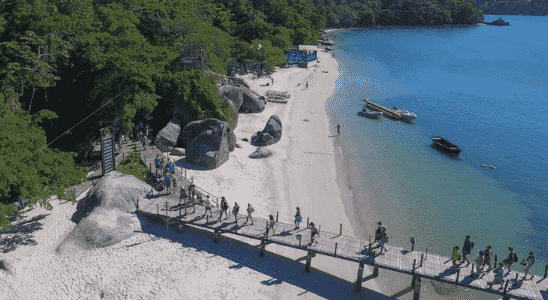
245 140
71 67
133 164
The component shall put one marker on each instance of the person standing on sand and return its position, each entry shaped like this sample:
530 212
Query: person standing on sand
224 208
235 211
167 182
250 210
307 85
272 79
338 129
298 218
272 224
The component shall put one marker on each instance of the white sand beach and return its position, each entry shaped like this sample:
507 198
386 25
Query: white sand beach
157 265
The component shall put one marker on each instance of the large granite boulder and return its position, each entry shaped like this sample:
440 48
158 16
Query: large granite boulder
166 139
260 153
195 128
234 109
271 134
178 151
232 93
252 103
106 216
209 149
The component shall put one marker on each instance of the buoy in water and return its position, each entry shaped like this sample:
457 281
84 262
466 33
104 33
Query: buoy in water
492 167
484 165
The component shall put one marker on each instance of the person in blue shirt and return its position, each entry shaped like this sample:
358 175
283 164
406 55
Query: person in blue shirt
499 276
157 163
172 167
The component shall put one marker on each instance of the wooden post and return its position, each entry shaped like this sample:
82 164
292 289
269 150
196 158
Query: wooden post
412 244
422 258
308 261
276 217
216 235
307 219
180 207
207 219
341 230
375 268
336 244
458 273
262 248
426 256
369 244
515 281
472 272
360 277
495 262
545 271
417 291
157 209
505 287
150 167
137 204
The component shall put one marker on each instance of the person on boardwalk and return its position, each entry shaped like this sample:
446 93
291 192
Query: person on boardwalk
271 224
467 249
499 276
510 260
313 232
380 232
272 79
171 167
455 256
192 189
479 259
182 194
529 262
307 85
144 141
166 166
298 218
250 211
224 208
167 182
487 255
338 129
157 163
207 206
235 211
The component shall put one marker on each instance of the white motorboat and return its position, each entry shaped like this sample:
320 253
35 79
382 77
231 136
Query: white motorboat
406 115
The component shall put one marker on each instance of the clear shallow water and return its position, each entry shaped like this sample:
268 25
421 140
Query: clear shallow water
484 88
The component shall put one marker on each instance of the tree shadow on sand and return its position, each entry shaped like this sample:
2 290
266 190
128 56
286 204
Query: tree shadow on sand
279 268
21 234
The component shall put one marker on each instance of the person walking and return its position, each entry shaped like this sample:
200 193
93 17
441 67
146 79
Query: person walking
529 262
467 249
144 141
235 211
207 206
171 167
455 256
307 85
167 182
224 208
313 232
250 211
298 218
479 259
157 163
338 129
182 194
499 276
510 260
487 255
378 233
272 224
272 79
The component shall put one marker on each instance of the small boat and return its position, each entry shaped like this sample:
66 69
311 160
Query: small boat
484 165
492 167
370 113
276 99
406 115
445 144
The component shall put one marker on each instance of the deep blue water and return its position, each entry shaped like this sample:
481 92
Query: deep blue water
484 88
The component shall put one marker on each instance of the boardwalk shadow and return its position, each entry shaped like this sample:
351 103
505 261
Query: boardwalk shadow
448 272
183 164
21 234
544 295
278 268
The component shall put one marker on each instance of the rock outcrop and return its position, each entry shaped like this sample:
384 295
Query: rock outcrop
271 134
178 151
245 100
234 109
105 216
260 153
232 93
210 148
166 139
195 128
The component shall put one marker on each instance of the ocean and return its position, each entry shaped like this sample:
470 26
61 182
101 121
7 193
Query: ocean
482 87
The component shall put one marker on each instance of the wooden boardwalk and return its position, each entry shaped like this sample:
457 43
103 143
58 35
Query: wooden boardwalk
430 266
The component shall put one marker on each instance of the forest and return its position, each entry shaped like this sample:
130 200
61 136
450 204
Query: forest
70 67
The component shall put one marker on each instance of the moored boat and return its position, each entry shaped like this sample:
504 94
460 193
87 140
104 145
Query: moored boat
406 115
445 144
369 113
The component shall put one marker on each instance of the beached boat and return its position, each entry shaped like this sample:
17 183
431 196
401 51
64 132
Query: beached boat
385 111
369 113
272 93
276 99
445 144
406 115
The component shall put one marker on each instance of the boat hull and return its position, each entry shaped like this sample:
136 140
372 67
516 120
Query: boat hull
445 145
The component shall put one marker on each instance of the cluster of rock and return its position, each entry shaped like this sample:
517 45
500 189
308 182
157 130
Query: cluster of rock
208 143
498 22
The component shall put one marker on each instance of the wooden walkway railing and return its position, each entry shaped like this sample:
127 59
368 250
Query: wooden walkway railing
415 263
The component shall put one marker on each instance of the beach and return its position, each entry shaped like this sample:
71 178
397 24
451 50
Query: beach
156 264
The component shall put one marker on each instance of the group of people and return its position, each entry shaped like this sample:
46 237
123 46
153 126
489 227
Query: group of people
167 172
484 259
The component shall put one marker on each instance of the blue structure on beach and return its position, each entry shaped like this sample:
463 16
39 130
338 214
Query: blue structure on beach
295 56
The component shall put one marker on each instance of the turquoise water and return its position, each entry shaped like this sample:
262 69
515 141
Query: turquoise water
482 87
